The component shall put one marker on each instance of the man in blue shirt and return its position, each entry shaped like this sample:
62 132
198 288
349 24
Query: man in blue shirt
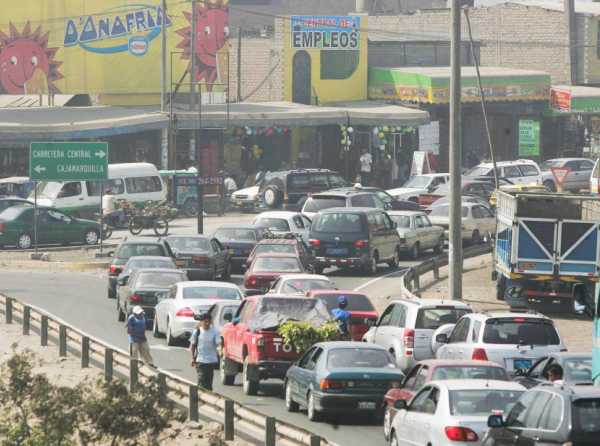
136 329
341 315
204 345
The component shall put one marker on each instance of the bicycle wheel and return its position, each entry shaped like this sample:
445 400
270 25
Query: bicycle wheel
136 225
161 226
106 231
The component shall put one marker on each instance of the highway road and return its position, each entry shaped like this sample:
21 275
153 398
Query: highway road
80 299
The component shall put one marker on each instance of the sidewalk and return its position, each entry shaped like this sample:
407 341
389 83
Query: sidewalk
480 292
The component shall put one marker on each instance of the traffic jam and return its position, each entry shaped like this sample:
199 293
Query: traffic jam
430 372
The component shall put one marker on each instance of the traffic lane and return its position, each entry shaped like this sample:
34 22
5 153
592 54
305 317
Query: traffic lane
80 300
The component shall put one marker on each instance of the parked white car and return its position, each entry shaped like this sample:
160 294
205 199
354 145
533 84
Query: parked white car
580 170
245 199
478 221
281 222
175 312
300 284
513 340
522 171
419 184
453 412
416 232
406 327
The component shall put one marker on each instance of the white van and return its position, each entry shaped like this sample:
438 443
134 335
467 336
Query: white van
135 182
595 178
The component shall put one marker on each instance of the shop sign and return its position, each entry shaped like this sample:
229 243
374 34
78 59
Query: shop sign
560 99
326 32
529 137
68 161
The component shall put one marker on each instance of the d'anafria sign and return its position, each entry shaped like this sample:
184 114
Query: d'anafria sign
68 161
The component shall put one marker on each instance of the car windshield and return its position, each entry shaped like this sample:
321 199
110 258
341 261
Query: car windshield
403 221
418 182
478 171
578 370
274 224
339 222
356 302
143 249
234 234
158 279
189 243
302 285
49 189
482 401
434 318
149 263
358 357
586 419
275 248
469 372
316 204
547 165
442 211
520 331
210 292
278 264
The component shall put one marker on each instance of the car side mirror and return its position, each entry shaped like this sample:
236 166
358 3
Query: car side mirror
400 404
442 338
495 421
228 317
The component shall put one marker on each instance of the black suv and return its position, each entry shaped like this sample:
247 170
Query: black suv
548 415
133 248
354 238
289 188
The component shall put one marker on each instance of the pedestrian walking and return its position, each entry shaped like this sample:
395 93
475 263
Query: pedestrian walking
204 346
136 330
366 166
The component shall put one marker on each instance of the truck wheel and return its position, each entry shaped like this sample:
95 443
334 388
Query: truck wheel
395 260
500 287
550 186
226 380
250 387
290 404
272 197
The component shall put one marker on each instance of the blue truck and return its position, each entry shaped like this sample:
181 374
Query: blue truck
547 250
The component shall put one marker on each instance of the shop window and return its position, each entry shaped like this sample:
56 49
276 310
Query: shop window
339 64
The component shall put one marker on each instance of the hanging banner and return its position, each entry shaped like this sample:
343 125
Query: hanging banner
326 32
529 137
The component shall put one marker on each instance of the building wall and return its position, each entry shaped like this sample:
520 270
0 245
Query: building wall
589 29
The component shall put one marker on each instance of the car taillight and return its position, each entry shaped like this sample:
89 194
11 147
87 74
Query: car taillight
457 433
329 384
479 354
135 298
314 242
361 243
114 269
185 312
409 341
200 259
253 281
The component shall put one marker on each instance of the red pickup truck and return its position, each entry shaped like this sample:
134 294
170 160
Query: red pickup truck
251 344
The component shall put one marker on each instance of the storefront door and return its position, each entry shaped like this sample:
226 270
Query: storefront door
301 81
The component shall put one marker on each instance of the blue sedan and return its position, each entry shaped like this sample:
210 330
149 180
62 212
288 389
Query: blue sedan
341 377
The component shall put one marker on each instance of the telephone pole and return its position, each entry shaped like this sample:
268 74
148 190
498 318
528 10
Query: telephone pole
455 152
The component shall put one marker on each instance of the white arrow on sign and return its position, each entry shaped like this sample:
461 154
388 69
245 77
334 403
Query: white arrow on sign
39 169
100 154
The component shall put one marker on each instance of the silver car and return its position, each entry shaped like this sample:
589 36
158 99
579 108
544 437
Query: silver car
417 234
445 413
175 312
222 313
580 170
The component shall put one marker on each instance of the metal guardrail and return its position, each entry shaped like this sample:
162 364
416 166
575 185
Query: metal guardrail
179 390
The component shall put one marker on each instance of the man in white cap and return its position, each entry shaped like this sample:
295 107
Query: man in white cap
136 329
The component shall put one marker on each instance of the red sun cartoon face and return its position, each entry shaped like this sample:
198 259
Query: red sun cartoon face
26 63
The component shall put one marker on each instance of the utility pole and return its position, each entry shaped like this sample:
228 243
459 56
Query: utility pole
239 65
163 59
569 7
193 57
455 152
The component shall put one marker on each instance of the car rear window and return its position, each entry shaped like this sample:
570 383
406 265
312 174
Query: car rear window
316 204
586 419
469 372
482 401
342 222
189 243
278 264
275 248
158 280
478 171
356 302
520 331
358 357
274 224
150 263
145 249
241 235
298 181
434 318
210 292
303 285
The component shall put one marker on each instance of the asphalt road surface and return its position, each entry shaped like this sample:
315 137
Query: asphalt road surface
80 299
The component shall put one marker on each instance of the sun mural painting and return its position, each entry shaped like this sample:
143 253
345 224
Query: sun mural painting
212 33
27 65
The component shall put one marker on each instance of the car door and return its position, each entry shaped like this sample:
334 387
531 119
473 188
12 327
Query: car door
536 373
306 375
44 227
123 291
164 308
383 327
419 416
300 228
515 422
585 171
294 375
392 239
219 255
424 232
513 174
456 346
531 432
275 286
409 385
63 228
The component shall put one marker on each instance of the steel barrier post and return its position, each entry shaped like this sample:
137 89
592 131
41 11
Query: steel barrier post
193 403
162 388
26 319
108 364
416 280
85 352
44 331
9 310
62 341
436 270
133 374
229 427
270 432
315 440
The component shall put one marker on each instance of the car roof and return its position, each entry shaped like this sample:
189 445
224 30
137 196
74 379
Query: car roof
187 236
349 344
278 241
426 303
571 355
476 384
342 192
348 210
507 163
140 241
207 283
569 159
405 213
574 391
459 363
136 258
274 214
304 276
328 292
240 226
509 314
277 254
279 296
159 270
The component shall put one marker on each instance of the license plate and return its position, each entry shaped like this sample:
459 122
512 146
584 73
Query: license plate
337 251
180 263
528 265
366 405
521 364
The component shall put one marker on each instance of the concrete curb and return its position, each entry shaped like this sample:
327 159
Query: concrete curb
47 266
487 261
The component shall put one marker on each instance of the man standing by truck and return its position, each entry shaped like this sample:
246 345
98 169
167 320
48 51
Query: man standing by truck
204 346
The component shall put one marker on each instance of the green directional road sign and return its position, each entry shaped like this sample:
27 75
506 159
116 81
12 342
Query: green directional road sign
66 161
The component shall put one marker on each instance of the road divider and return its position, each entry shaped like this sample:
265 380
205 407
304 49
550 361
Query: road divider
266 430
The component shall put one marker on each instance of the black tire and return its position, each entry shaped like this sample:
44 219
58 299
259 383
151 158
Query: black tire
415 251
106 232
91 237
171 341
550 186
226 380
155 332
439 248
120 313
371 267
272 197
290 404
190 208
500 287
226 275
313 414
250 387
395 260
475 237
136 226
161 227
24 241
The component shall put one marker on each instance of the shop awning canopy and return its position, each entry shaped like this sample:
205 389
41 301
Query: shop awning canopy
375 113
52 123
566 99
431 85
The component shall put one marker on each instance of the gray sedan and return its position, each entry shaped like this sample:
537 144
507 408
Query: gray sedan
580 170
203 258
417 233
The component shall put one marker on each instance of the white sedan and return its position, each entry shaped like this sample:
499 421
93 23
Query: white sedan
245 199
281 222
451 412
300 284
417 233
478 222
175 311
